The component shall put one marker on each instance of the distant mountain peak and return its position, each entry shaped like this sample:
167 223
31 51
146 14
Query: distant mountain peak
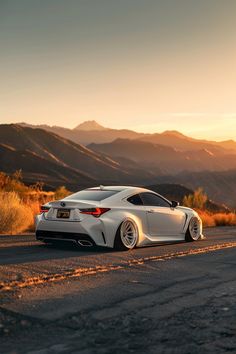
90 125
174 133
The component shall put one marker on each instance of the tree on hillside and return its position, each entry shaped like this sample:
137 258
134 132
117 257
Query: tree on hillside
17 175
61 192
38 186
197 200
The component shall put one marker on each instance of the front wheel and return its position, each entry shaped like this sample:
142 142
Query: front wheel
126 236
194 230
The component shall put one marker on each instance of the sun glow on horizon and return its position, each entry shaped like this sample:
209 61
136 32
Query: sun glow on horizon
198 125
148 66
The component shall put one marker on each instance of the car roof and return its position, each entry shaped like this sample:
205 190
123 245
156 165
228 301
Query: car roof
122 191
117 188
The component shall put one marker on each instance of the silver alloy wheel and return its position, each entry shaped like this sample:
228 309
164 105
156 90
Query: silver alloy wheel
128 234
194 229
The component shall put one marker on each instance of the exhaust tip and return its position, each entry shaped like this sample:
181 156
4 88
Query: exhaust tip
85 243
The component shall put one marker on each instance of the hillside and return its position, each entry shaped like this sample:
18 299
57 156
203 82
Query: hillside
184 143
40 144
173 191
208 164
36 168
220 186
227 144
166 159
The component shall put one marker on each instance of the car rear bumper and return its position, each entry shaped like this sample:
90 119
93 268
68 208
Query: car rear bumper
92 227
79 238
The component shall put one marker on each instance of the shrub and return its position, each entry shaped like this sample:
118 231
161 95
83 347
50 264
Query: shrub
222 219
61 192
12 183
196 200
218 219
14 215
20 203
207 218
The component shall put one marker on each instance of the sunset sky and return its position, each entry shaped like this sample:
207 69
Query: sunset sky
147 65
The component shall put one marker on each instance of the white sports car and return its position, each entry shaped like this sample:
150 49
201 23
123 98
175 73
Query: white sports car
118 217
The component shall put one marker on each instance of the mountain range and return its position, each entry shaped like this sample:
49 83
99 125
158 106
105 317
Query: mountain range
167 159
169 152
55 160
88 132
92 132
58 156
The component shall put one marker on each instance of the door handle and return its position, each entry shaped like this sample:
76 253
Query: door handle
151 211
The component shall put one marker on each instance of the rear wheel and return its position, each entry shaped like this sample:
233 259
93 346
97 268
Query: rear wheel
194 230
126 236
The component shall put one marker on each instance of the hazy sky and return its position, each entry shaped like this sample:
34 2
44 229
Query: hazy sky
148 65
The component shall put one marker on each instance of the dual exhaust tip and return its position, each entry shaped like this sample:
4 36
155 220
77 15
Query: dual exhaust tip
85 243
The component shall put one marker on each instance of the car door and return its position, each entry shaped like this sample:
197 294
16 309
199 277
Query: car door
138 209
162 219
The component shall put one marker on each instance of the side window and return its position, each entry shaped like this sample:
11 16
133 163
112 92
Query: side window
135 199
151 199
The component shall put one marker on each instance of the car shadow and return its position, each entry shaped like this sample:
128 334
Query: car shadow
44 252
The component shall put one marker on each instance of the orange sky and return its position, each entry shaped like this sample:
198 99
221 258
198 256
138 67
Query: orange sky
145 65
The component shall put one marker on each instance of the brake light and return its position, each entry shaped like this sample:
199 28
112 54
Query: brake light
96 212
44 209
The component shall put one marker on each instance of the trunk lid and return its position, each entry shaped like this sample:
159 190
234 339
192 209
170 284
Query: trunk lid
68 210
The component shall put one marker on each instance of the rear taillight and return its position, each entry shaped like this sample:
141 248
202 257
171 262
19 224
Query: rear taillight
96 212
44 209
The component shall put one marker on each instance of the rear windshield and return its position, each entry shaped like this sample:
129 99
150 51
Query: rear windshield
92 194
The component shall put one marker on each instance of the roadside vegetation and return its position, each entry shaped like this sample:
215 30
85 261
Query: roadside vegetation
20 203
198 201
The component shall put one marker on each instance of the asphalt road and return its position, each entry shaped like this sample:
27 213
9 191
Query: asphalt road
177 298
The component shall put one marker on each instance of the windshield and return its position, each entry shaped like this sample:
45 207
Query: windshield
92 194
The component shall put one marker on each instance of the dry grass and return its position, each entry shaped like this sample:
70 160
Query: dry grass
18 208
225 219
207 218
218 219
18 211
20 203
14 215
33 200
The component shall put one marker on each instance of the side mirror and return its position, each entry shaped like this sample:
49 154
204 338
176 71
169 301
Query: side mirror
174 204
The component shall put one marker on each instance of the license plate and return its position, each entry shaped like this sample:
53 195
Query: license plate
63 213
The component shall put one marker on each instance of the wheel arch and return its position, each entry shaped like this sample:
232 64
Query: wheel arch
188 236
112 223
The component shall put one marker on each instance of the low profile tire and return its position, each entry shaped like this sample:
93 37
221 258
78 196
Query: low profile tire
194 230
126 236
